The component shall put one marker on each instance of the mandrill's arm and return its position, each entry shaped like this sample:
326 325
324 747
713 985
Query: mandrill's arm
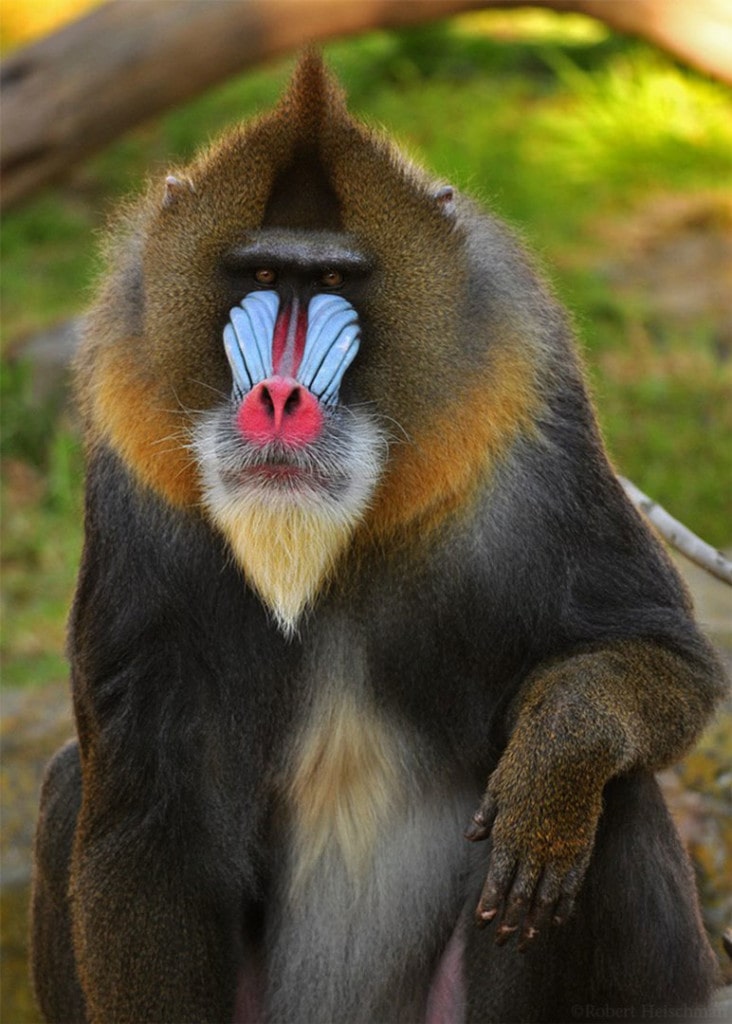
580 722
158 871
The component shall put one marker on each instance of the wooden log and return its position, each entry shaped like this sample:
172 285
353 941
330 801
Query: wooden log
71 93
74 91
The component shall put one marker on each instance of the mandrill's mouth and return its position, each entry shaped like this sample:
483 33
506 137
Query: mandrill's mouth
336 474
282 478
277 473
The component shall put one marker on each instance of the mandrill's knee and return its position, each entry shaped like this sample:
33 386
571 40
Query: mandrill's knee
53 965
60 803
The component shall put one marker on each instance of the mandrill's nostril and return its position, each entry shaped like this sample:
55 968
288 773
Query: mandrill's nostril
292 401
279 397
266 401
280 409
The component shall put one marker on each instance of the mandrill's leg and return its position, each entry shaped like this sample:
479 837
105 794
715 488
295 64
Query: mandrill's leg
53 964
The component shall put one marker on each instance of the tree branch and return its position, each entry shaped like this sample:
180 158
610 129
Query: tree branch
680 536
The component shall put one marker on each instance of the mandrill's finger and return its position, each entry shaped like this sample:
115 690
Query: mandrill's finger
563 908
542 910
482 820
569 888
497 884
517 902
559 900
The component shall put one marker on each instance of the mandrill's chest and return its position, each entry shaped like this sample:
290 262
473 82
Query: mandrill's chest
345 782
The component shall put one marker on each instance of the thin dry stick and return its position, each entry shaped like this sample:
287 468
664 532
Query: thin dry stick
679 536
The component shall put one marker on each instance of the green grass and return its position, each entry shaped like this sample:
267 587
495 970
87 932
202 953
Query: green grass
570 133
42 535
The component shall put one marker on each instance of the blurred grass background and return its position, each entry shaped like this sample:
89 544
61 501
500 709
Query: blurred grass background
613 162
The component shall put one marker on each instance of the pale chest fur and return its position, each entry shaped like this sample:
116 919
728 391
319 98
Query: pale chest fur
347 782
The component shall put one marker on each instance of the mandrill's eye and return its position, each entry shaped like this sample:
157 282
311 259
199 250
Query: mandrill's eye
332 279
265 276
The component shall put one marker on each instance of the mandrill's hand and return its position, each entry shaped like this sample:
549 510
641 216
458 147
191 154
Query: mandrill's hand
541 810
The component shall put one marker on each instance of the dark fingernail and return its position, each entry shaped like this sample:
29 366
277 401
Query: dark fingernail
526 938
504 933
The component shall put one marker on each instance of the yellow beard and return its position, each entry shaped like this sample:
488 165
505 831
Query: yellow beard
287 553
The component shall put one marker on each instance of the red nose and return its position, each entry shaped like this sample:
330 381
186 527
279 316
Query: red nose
280 409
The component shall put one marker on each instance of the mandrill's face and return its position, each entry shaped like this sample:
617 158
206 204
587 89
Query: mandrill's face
287 466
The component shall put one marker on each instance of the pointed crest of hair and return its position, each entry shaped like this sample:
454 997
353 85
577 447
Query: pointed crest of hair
301 193
313 93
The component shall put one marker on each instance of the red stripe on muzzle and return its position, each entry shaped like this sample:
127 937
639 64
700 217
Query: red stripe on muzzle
288 340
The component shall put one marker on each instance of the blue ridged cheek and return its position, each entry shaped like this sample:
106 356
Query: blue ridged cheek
331 343
248 340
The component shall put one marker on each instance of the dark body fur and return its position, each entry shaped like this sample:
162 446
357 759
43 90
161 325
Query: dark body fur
531 631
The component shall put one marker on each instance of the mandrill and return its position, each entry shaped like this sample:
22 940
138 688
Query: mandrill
372 659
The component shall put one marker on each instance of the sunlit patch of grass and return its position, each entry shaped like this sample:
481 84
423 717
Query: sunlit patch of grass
533 25
633 123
